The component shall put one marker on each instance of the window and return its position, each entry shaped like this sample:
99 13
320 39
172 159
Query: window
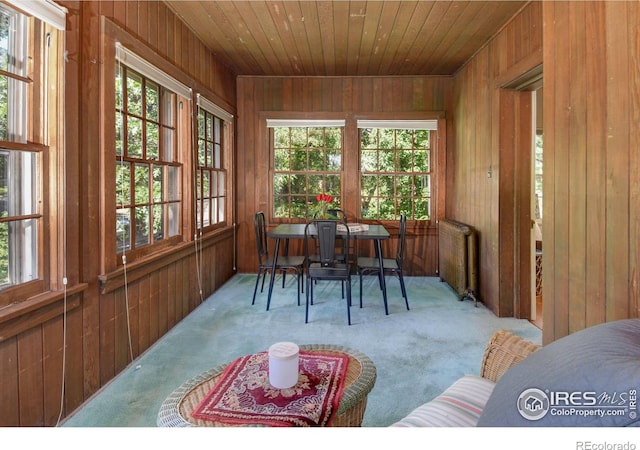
24 112
307 161
395 162
211 177
148 174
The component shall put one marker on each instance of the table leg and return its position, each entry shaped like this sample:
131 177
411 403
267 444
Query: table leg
382 280
273 272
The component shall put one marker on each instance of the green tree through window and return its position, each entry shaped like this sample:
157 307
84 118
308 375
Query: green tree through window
307 162
148 198
395 173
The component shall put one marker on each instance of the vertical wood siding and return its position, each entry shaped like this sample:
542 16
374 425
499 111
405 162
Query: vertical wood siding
346 97
486 119
97 339
592 147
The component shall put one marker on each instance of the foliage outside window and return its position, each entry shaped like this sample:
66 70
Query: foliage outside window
395 173
148 173
307 162
211 177
20 166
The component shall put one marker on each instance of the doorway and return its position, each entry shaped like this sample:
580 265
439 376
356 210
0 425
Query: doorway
520 199
536 213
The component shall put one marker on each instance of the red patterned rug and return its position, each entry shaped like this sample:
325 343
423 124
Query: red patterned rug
243 394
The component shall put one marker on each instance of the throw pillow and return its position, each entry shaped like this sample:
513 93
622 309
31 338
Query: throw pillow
590 378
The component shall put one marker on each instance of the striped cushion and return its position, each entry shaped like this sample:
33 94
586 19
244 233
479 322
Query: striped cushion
459 406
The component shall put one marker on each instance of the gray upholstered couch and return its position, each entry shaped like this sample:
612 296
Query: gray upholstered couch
589 378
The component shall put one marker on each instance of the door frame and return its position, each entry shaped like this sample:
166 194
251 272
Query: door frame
516 255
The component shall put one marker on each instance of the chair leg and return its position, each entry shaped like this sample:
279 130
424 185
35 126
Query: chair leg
264 276
360 289
306 309
255 289
349 303
404 290
299 277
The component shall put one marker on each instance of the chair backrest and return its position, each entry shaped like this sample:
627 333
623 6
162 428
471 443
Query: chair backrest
401 239
325 232
260 228
338 214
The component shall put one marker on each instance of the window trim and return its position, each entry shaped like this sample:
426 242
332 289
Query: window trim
226 151
38 140
302 123
44 10
430 125
180 159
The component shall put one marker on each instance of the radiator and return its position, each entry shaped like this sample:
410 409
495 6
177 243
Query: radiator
458 258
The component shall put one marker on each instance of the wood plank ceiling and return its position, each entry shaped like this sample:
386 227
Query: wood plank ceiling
344 38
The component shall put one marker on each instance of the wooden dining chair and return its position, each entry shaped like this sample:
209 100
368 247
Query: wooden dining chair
284 263
328 263
392 266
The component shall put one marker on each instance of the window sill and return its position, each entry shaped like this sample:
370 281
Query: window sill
19 317
138 269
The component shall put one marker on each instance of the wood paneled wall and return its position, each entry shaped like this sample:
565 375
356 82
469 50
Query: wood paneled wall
488 167
591 223
160 291
337 97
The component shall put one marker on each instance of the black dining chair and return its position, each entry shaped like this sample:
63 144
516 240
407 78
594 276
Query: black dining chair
328 264
284 263
392 266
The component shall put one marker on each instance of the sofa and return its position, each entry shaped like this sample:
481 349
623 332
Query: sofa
589 378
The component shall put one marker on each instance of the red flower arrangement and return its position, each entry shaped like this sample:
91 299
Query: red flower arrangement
324 200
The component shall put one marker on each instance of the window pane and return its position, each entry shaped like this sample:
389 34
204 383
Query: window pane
316 160
174 219
299 162
141 183
281 159
307 162
398 173
4 110
206 212
158 184
5 35
218 157
119 131
168 108
174 183
221 210
123 229
143 225
134 93
18 252
222 190
134 137
158 222
153 146
281 184
152 101
168 145
369 160
123 183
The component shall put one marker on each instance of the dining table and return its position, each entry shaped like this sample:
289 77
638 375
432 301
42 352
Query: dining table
374 232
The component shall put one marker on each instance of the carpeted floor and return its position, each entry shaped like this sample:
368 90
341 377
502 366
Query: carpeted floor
417 353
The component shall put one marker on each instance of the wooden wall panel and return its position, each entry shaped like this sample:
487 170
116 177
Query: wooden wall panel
348 98
99 323
592 99
484 183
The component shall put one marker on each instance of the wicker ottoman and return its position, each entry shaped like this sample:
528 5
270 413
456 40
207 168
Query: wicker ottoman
176 410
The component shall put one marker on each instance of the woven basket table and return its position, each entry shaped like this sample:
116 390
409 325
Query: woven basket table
176 410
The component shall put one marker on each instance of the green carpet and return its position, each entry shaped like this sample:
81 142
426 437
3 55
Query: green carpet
417 353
